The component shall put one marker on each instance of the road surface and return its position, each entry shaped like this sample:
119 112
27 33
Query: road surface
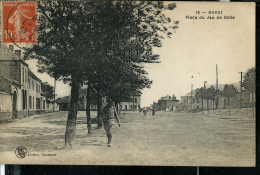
164 139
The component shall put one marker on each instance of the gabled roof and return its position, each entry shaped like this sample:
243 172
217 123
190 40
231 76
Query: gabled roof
7 54
31 74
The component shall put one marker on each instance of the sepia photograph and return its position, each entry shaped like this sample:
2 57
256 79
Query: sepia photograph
107 82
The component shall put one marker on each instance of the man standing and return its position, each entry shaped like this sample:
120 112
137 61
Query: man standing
108 114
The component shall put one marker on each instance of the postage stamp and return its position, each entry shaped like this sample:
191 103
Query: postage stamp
19 22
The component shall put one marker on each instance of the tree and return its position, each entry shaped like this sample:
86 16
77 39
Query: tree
59 38
249 83
99 43
211 94
229 92
200 94
120 49
47 91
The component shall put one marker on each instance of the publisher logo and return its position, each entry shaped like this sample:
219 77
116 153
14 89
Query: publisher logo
21 152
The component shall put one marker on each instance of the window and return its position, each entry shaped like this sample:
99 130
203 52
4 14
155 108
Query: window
121 107
23 74
38 103
131 107
135 106
135 100
29 82
30 102
11 47
126 107
43 104
18 52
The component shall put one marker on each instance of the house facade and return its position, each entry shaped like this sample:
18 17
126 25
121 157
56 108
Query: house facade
242 99
168 103
134 104
22 86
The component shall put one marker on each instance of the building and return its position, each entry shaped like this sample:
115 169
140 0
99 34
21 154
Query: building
134 104
19 85
168 103
190 102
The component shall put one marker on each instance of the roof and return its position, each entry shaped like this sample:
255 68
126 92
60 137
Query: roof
7 54
5 84
193 93
220 88
31 74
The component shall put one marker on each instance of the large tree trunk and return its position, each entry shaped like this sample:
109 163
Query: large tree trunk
72 116
99 110
88 111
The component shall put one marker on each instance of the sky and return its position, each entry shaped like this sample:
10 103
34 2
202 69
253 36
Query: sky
190 56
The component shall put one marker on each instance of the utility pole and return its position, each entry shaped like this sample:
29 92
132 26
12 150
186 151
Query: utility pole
216 77
241 73
191 96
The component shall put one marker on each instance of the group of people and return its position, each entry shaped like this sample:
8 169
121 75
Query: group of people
145 111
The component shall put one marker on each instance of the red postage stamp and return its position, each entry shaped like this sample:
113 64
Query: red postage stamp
19 22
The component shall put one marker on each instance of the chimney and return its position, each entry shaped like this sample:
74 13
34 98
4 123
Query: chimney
11 47
18 52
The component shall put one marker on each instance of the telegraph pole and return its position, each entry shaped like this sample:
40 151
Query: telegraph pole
191 96
216 77
241 73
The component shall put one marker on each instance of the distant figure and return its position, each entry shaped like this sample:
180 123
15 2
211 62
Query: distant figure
153 112
108 114
144 111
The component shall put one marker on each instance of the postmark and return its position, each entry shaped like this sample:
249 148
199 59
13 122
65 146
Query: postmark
19 22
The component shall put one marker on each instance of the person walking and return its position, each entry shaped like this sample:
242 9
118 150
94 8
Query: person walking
153 112
144 111
109 113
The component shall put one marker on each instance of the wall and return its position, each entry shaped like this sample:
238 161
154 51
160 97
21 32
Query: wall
129 104
5 106
10 69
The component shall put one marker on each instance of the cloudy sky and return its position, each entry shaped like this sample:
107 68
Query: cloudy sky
190 56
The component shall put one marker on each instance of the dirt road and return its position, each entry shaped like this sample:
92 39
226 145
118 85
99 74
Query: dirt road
165 139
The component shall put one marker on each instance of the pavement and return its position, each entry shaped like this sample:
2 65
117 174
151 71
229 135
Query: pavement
170 139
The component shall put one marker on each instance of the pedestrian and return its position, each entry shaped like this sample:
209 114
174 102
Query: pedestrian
153 112
109 114
144 111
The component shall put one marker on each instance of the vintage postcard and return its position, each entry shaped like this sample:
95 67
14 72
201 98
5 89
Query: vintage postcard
127 83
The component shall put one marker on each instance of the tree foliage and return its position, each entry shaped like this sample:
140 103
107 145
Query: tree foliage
47 91
229 91
249 80
104 44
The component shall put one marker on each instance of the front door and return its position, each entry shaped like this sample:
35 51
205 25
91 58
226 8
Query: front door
15 106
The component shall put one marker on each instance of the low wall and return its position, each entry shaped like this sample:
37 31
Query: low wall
5 116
